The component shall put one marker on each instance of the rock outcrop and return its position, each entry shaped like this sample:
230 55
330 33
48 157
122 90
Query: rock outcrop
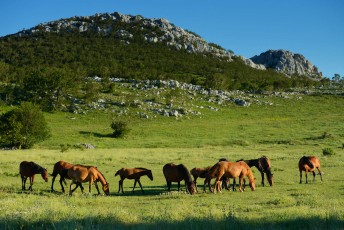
288 63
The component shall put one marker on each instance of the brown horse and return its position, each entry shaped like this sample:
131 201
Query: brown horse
201 173
61 168
231 170
133 174
177 173
263 165
309 164
29 169
81 174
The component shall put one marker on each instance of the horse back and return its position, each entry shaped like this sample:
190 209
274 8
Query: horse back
172 173
28 169
79 173
61 167
308 163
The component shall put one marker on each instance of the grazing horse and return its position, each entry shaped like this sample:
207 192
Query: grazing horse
177 173
309 164
231 170
264 166
61 168
133 173
81 174
29 169
201 173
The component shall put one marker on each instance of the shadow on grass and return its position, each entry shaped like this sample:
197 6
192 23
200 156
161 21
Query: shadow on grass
230 222
99 135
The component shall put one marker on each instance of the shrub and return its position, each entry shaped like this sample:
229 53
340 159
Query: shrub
328 152
23 127
120 128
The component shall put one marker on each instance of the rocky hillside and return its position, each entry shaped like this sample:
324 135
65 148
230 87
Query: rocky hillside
288 63
152 30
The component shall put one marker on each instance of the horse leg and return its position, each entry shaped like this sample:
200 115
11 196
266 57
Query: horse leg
306 177
140 185
96 184
122 186
313 176
320 173
195 179
134 185
179 185
169 185
70 188
31 182
300 176
52 184
234 185
262 178
241 179
23 178
61 180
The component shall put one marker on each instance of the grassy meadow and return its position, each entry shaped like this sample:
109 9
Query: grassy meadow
284 132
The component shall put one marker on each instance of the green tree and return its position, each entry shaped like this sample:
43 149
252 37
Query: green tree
23 127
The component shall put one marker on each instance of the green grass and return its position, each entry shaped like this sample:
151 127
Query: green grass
284 132
287 204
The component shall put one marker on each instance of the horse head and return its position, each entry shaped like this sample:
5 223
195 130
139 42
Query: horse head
44 175
191 187
106 189
150 175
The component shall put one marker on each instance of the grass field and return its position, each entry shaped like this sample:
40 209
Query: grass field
284 132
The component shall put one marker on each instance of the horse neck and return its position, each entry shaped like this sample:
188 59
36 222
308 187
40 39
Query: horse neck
254 162
101 178
250 175
186 175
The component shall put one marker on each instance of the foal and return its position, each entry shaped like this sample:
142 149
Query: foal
133 174
28 170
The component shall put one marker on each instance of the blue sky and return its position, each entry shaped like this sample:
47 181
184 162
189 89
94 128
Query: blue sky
248 27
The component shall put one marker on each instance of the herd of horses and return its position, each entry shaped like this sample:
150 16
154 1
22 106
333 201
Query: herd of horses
222 171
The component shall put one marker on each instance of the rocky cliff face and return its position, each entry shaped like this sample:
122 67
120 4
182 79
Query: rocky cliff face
287 63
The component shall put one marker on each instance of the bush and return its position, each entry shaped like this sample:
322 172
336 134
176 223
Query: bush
328 152
120 128
23 127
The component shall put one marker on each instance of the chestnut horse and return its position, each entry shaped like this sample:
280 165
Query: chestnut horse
231 170
177 173
29 169
133 174
201 173
263 164
61 168
309 164
81 174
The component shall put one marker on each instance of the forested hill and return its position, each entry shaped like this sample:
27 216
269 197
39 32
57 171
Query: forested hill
58 56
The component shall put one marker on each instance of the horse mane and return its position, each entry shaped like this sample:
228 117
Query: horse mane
185 172
37 167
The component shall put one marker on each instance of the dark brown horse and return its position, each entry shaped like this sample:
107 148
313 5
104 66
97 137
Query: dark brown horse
309 164
82 174
29 169
231 170
263 165
177 173
133 174
61 168
199 173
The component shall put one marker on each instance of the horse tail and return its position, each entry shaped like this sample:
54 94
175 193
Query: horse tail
308 162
